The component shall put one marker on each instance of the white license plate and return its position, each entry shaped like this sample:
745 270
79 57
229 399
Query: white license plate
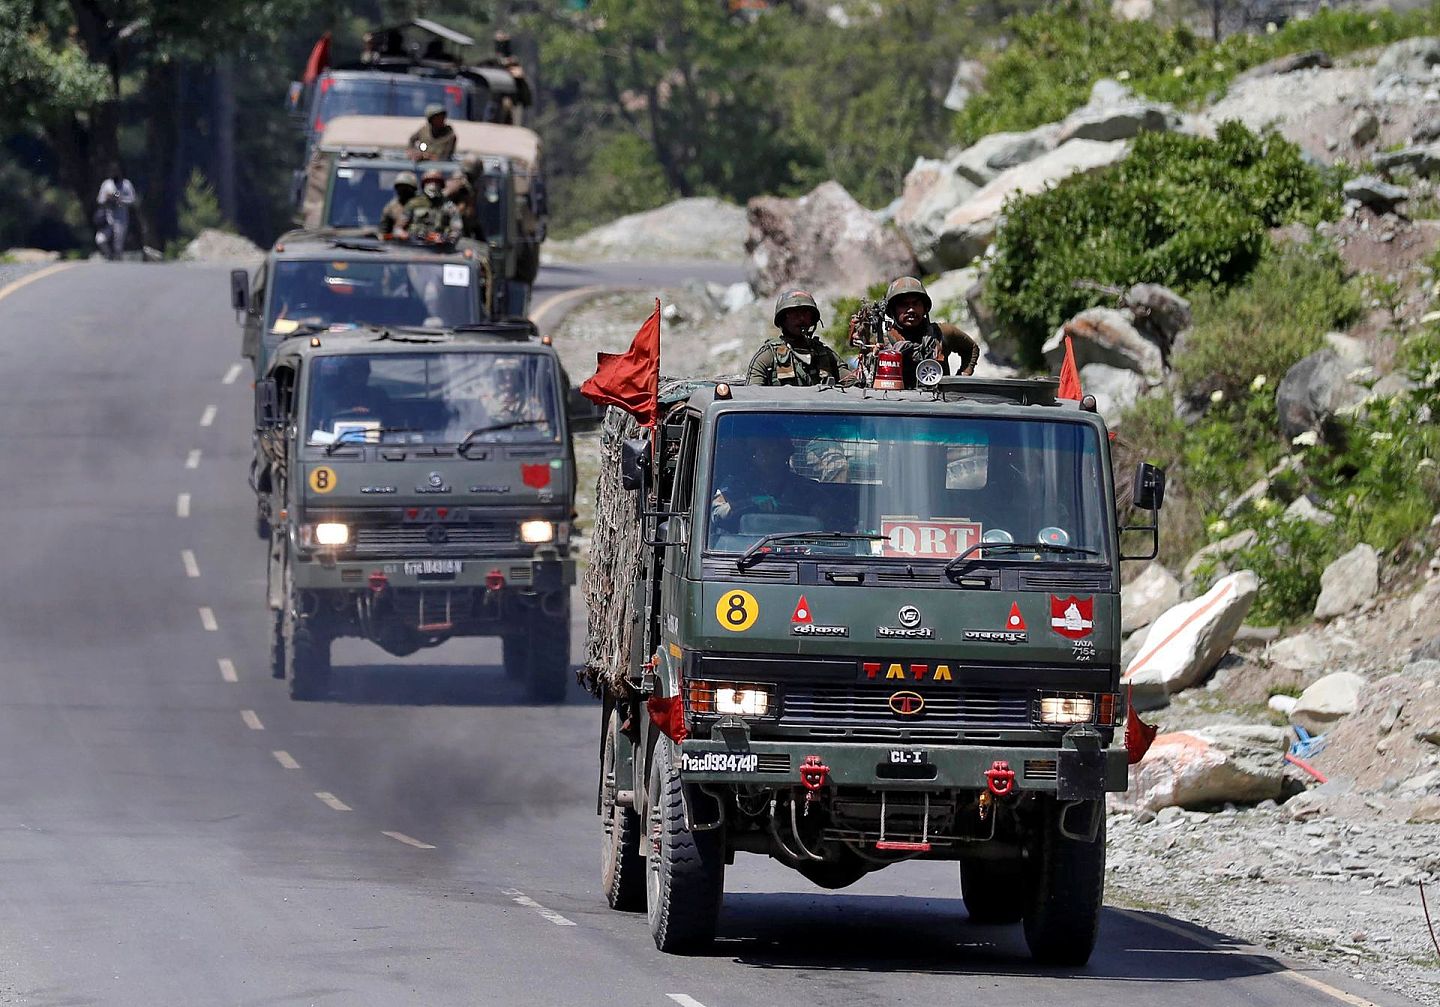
719 762
433 567
909 757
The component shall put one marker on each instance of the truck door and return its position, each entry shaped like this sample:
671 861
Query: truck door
255 318
678 525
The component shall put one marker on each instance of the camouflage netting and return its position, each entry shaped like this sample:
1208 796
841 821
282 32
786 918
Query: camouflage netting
616 553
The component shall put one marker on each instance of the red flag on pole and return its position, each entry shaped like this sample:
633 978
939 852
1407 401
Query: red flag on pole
1069 374
1138 734
319 59
631 380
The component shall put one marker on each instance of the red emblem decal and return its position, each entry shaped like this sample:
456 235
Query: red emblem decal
802 611
1015 620
1072 617
536 476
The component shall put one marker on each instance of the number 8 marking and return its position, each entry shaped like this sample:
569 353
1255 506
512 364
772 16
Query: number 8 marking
322 479
737 611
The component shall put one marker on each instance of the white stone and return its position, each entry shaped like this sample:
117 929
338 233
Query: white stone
1301 509
1147 597
1106 336
699 227
1187 641
1348 582
1327 700
1207 766
1281 704
1302 652
1219 552
737 296
1116 389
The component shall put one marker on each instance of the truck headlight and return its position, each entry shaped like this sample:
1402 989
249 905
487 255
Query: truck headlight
332 533
1066 710
535 532
742 700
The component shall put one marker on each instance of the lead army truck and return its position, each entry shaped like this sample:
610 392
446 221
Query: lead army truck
844 631
422 484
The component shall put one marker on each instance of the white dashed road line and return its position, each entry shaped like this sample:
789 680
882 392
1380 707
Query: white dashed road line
192 460
208 416
400 837
182 505
207 618
684 1000
252 720
331 801
231 375
521 899
192 568
227 670
285 759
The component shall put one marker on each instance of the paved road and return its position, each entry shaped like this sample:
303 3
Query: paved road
174 831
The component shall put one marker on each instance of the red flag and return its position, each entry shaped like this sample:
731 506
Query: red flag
319 59
668 714
1138 734
1069 374
631 380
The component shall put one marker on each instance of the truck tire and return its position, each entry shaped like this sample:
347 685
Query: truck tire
515 655
1062 918
622 868
994 892
685 870
307 652
277 644
548 680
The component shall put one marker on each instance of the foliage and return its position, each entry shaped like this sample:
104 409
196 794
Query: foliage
1288 555
199 211
1265 325
1180 210
621 176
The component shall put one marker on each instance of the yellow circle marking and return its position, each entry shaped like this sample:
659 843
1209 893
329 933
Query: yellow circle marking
323 479
737 611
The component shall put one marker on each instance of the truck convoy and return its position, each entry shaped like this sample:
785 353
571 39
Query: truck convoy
845 629
420 484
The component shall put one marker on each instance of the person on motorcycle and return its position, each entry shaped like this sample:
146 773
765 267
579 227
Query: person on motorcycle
430 215
392 218
908 307
116 197
797 356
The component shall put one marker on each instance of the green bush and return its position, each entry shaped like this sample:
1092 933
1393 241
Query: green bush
1180 210
1288 556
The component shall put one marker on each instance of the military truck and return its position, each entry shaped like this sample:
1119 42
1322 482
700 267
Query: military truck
422 483
847 629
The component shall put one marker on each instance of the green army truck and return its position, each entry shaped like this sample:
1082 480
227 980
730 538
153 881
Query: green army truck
421 487
845 630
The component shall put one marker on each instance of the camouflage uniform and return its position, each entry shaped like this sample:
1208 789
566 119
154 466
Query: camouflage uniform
424 216
780 363
393 215
936 341
438 145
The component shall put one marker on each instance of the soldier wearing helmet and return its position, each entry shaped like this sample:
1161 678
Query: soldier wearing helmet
908 307
435 140
430 215
797 356
393 216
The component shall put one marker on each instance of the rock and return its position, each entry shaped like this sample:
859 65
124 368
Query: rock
1316 803
1392 386
1327 700
986 159
28 256
925 204
1115 389
1147 597
1131 647
949 290
1429 733
1409 59
1421 782
1302 509
1352 352
1425 812
1160 314
1114 113
1302 652
212 245
1106 336
1289 101
969 78
1288 64
1313 390
699 227
823 240
1188 640
1218 552
1427 651
1256 491
1281 704
1348 582
1207 766
969 228
1422 159
1374 192
736 296
1364 127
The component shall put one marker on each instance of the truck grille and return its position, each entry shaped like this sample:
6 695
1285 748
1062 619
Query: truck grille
411 540
971 709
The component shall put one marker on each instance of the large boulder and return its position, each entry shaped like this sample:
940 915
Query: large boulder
1217 553
969 228
969 78
823 240
1376 193
1288 64
1186 642
1206 766
699 227
1160 314
1313 390
1116 389
1106 336
212 245
1411 59
1327 700
1147 597
1349 582
987 158
1422 159
1114 113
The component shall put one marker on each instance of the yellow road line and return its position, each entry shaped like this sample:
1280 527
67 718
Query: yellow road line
554 300
39 274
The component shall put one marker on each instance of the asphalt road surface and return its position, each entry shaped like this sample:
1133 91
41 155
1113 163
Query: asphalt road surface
174 831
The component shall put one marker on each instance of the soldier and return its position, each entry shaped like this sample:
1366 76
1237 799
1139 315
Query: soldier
392 218
796 357
908 306
434 141
430 215
460 192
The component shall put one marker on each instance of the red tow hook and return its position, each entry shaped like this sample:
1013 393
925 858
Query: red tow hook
814 774
1000 778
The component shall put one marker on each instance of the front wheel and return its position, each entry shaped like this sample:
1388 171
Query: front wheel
307 652
1062 919
515 655
685 870
622 866
548 678
994 891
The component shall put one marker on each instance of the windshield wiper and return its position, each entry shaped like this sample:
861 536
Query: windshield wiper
761 549
529 421
953 567
345 439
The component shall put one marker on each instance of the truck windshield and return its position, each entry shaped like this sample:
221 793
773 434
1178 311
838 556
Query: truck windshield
352 292
931 487
359 192
433 398
386 94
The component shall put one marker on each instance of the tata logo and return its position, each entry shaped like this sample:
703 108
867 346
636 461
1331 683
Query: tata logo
907 704
436 534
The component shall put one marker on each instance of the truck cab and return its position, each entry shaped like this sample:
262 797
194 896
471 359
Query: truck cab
869 628
422 487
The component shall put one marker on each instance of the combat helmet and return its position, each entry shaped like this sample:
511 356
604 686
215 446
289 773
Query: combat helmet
434 109
406 178
795 299
432 175
902 286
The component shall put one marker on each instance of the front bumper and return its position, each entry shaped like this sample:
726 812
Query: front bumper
529 575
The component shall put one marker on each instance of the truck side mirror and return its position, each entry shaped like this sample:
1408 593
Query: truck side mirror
267 405
240 289
584 414
634 463
1149 491
293 97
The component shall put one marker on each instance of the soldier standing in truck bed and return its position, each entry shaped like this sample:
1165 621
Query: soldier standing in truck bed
796 356
908 306
435 140
392 217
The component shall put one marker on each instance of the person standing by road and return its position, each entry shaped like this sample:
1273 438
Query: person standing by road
435 140
112 216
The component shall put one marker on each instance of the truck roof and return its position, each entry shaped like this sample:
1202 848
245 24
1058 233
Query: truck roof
1010 393
327 243
518 336
392 132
